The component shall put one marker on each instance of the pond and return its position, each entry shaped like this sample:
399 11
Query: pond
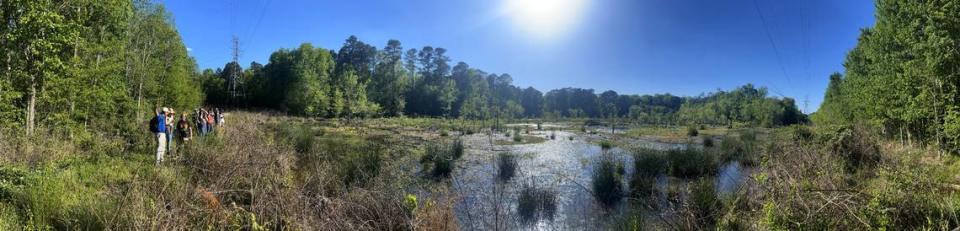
561 166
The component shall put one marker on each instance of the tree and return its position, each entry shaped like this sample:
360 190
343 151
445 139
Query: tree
309 88
532 101
390 80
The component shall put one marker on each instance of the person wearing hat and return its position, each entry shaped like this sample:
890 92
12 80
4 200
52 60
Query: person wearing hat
158 125
171 128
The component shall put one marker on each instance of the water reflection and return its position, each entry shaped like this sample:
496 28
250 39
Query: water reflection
561 167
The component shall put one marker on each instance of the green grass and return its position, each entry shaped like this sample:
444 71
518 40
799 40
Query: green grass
607 181
692 163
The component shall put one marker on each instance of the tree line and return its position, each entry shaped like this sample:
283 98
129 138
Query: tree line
360 80
903 76
71 67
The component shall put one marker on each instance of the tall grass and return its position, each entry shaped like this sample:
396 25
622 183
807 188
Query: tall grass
648 164
536 203
506 166
441 157
692 163
607 180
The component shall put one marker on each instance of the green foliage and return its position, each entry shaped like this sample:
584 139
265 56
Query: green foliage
606 145
901 77
692 163
704 202
607 183
745 104
648 164
441 157
692 131
857 147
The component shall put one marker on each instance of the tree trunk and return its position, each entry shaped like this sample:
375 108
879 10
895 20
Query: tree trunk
31 106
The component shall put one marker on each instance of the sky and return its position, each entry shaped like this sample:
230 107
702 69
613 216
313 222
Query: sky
682 47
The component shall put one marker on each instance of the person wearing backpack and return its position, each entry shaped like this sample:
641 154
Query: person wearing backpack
201 122
158 125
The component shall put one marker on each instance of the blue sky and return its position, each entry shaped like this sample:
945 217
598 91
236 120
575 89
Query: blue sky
683 47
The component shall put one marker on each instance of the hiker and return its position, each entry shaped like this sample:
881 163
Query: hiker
171 126
201 125
216 116
219 118
210 122
184 130
159 129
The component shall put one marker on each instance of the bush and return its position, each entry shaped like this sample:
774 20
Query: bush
647 165
691 163
606 145
607 182
506 166
442 157
704 203
740 148
457 148
536 203
692 131
517 138
857 147
707 141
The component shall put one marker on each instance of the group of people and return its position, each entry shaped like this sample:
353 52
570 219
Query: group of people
166 127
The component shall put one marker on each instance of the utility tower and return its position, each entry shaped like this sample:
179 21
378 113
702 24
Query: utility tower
235 73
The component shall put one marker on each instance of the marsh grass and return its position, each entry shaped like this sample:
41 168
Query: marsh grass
648 165
536 203
506 166
441 158
607 180
692 162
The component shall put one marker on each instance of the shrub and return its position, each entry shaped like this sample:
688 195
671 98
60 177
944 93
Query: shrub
607 182
692 131
691 163
442 157
506 166
800 132
704 203
444 133
605 145
648 164
457 148
707 141
857 147
535 203
517 138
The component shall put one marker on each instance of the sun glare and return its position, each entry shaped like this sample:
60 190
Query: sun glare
545 19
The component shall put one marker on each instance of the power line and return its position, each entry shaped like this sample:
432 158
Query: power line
776 50
263 11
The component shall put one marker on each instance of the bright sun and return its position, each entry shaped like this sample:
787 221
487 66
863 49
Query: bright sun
545 19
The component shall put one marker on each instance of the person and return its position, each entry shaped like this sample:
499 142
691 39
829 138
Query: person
201 121
210 124
158 127
171 128
184 130
220 119
216 116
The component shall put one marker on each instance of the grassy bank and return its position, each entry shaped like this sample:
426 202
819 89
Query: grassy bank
258 173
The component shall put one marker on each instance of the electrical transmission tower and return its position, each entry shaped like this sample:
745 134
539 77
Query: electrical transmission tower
235 72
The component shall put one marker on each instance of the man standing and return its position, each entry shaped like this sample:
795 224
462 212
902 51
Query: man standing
159 126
